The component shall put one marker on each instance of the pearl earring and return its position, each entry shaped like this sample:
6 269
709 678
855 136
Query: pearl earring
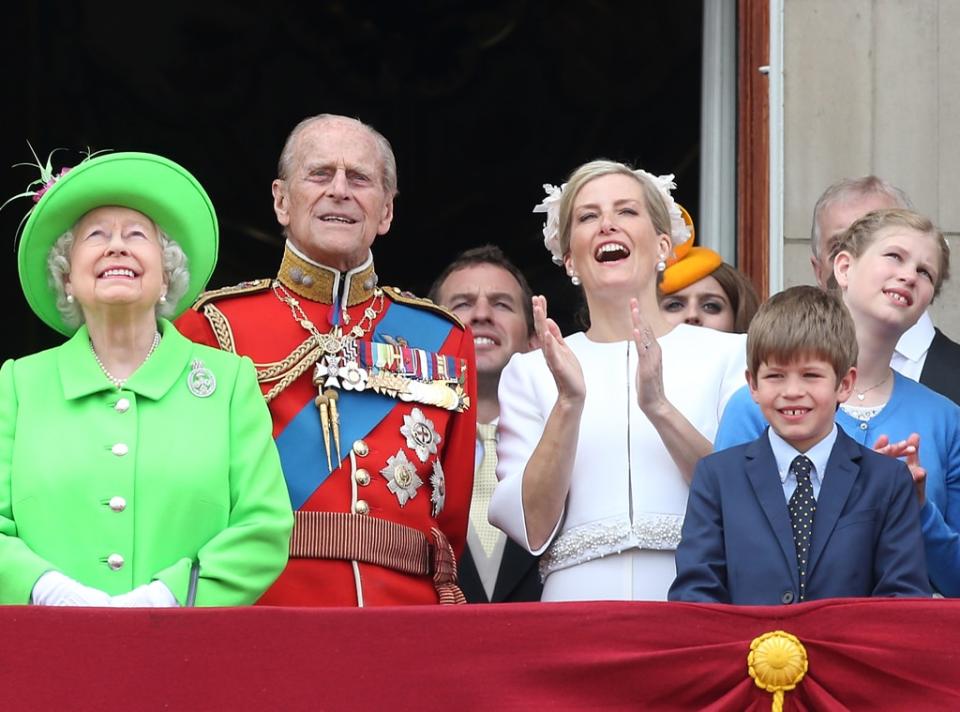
575 280
661 266
70 299
163 298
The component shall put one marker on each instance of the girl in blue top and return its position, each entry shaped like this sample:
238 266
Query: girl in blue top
888 267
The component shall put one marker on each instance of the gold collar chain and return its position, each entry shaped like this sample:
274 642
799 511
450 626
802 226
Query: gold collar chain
333 341
336 363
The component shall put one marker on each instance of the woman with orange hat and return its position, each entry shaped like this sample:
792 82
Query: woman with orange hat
700 289
600 430
137 469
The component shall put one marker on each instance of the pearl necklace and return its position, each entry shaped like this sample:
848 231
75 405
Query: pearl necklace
118 382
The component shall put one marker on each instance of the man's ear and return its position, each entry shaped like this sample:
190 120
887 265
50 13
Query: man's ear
386 218
280 207
815 266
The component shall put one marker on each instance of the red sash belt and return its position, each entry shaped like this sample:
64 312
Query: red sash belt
357 537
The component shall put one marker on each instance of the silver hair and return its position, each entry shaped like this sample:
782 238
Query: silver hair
175 274
389 161
852 188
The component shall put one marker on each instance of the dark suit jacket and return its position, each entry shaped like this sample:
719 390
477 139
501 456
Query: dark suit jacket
737 543
941 369
518 579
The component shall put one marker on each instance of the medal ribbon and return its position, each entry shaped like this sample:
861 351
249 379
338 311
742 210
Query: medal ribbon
302 456
417 364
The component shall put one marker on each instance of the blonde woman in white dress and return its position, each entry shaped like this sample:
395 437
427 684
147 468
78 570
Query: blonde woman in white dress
600 430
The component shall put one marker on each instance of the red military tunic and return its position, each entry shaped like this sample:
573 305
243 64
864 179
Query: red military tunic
406 454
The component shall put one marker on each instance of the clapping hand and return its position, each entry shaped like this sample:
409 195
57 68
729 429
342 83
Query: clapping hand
908 449
650 394
562 362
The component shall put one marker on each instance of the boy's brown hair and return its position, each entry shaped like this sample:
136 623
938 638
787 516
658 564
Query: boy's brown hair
802 322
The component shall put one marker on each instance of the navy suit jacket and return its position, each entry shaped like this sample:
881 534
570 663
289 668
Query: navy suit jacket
737 541
941 366
518 579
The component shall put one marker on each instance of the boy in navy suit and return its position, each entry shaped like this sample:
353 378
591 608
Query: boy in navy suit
803 512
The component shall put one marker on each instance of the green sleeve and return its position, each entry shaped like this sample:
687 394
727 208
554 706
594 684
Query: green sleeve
237 565
21 567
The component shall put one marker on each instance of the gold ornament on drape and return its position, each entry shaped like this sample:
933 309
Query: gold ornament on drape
777 663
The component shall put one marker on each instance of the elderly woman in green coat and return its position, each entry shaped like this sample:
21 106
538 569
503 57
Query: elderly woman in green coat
136 468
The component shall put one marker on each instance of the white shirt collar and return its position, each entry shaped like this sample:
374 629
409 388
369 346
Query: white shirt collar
916 340
784 452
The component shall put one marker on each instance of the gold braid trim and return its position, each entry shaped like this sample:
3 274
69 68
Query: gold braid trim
286 371
397 295
289 377
251 287
267 372
221 328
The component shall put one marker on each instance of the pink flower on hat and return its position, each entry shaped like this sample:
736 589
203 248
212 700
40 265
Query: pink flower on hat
49 184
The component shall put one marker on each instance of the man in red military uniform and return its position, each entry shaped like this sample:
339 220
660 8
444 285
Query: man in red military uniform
371 390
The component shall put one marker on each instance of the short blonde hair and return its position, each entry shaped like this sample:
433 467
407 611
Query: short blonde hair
860 235
656 207
802 322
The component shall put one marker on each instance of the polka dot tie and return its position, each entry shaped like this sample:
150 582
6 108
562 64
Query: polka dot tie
484 482
802 507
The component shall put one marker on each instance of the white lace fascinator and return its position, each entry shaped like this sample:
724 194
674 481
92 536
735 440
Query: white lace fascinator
679 228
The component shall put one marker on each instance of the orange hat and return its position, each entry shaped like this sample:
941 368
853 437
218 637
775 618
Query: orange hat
697 263
689 264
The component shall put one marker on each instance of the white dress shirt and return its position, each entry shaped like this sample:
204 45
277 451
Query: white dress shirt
784 453
911 351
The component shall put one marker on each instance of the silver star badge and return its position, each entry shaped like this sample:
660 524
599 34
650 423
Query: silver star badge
439 484
327 371
402 478
420 433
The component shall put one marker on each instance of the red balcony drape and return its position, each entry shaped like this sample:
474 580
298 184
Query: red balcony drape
862 654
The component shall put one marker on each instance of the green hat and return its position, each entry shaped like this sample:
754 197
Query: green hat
150 184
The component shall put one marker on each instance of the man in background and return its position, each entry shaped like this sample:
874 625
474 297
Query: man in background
492 297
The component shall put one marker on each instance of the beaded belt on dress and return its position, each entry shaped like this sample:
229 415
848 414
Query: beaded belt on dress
659 532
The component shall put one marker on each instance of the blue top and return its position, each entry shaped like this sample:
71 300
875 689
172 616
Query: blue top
912 408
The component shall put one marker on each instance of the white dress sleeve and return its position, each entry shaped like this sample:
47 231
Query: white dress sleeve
527 393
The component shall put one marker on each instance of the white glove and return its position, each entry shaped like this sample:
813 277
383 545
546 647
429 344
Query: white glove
56 589
151 595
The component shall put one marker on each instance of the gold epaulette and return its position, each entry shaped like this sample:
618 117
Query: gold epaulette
250 287
397 295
